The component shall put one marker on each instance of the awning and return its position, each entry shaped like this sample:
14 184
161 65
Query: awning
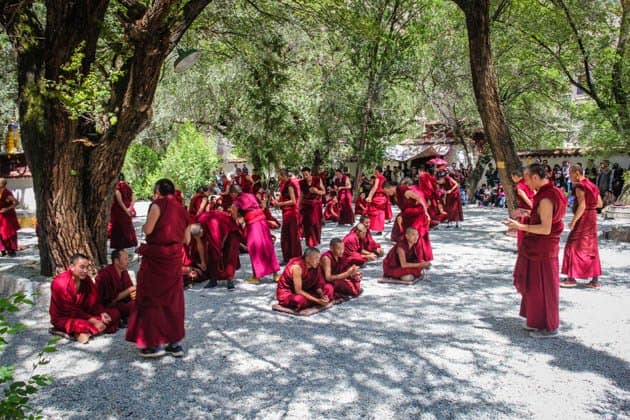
402 153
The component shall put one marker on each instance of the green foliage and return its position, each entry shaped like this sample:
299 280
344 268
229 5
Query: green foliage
190 160
17 394
141 169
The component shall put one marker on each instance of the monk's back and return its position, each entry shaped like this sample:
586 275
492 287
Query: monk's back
172 223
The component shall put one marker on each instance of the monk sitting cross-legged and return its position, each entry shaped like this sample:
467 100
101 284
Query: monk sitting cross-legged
74 305
346 279
114 285
405 260
369 244
302 284
354 251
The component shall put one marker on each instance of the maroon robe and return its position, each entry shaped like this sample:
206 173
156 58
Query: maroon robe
428 186
109 284
523 209
344 197
193 206
332 211
413 215
311 211
9 224
398 232
413 254
353 245
290 232
221 239
247 186
70 309
536 275
378 206
581 252
226 198
360 207
159 318
369 244
348 287
452 202
312 280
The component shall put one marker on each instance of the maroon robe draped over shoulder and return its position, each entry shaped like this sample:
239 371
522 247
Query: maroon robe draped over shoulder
70 309
452 202
344 197
360 207
377 208
193 206
332 211
413 254
109 284
123 234
221 238
413 215
352 247
290 231
581 252
523 210
312 280
9 224
428 186
536 273
348 287
311 211
160 311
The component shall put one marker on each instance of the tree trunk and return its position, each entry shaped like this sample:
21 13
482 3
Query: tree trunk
486 92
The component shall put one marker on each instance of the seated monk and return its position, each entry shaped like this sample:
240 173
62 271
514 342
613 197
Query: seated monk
397 234
369 244
115 289
302 284
74 305
360 206
405 260
354 252
331 212
345 279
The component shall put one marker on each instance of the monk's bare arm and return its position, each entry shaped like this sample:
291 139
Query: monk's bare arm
545 211
152 218
403 260
524 197
296 271
372 191
201 251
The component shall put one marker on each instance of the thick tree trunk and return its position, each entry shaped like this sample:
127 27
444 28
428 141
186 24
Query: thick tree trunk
486 92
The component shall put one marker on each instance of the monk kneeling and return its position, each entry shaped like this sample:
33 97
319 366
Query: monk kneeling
346 280
405 260
302 285
115 289
74 305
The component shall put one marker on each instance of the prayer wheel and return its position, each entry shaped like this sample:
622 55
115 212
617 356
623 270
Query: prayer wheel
12 139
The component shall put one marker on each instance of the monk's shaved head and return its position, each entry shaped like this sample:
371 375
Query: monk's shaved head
335 242
576 169
310 252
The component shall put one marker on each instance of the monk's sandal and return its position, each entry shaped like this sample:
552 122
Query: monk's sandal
152 352
175 351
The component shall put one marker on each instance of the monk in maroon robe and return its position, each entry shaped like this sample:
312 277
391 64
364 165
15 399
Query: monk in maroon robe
452 199
377 202
524 200
115 289
74 305
198 203
429 189
258 237
332 210
311 192
581 252
9 224
345 278
536 273
288 203
360 206
263 201
159 318
354 252
405 260
245 181
369 244
302 285
226 197
343 188
398 231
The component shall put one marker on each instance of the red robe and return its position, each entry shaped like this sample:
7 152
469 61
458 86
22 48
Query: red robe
414 215
247 186
70 309
369 244
159 318
311 212
536 275
109 284
428 186
344 197
226 198
312 280
221 239
523 209
398 231
413 254
348 287
378 207
331 212
360 207
452 202
195 203
581 252
290 232
9 224
123 234
352 249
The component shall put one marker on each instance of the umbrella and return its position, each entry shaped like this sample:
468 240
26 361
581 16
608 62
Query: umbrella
438 161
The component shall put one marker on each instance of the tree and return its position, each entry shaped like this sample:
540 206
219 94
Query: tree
87 74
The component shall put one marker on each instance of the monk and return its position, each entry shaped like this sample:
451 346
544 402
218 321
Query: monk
369 244
536 274
288 203
257 234
311 192
452 199
398 231
217 238
427 185
377 202
360 206
226 197
524 200
245 181
346 279
9 224
343 188
581 252
263 201
332 210
121 231
405 260
159 318
198 202
302 284
354 252
115 289
74 305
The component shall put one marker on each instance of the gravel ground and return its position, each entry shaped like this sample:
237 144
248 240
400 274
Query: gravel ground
449 348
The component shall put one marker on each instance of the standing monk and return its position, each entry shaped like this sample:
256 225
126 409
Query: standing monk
258 236
524 200
226 197
8 221
198 202
115 289
405 260
74 305
302 284
312 189
536 274
288 203
581 252
377 202
343 187
428 187
452 199
159 318
345 278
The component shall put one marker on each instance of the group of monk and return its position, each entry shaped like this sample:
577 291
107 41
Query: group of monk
539 221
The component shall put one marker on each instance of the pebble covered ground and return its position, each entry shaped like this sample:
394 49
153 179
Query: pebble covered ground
452 347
